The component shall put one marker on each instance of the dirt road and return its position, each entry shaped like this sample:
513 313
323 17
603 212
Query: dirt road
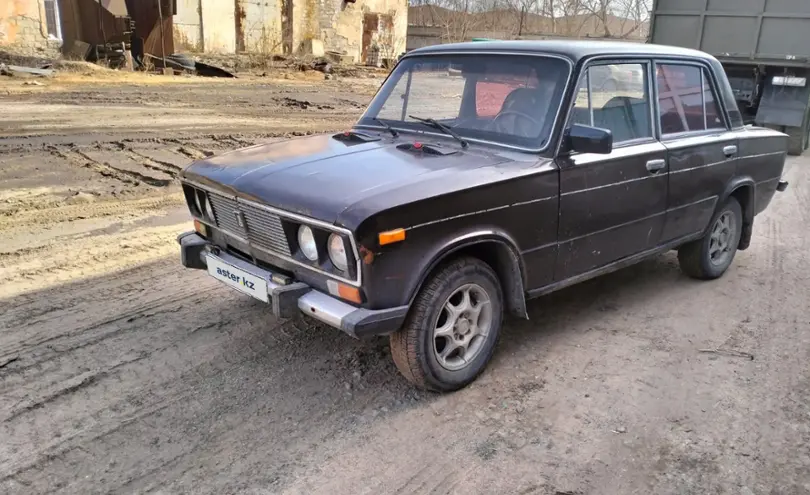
122 372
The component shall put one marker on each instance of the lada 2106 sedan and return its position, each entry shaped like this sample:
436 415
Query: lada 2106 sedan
482 175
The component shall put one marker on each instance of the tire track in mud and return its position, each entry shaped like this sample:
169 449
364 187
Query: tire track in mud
87 257
85 344
36 352
119 173
65 388
101 208
255 365
75 157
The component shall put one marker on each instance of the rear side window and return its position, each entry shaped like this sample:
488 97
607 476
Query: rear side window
686 100
714 116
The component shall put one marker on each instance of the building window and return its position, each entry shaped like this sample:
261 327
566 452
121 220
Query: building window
52 19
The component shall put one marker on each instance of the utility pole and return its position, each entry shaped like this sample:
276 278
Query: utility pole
162 36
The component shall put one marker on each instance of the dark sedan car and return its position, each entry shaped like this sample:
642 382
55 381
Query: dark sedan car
482 175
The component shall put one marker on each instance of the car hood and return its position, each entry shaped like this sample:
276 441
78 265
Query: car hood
321 177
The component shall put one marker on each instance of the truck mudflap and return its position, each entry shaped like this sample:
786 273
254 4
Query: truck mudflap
784 106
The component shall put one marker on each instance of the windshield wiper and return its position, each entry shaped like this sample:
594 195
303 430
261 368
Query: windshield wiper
387 126
441 127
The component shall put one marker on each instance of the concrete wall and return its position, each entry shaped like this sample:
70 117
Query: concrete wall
219 26
257 26
342 27
305 21
261 26
227 26
187 35
23 28
205 25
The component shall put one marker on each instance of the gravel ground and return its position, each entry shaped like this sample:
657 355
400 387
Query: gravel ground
122 372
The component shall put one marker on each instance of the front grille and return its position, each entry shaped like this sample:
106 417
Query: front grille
261 228
225 212
265 230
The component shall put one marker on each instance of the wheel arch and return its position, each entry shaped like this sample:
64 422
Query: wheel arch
495 248
743 189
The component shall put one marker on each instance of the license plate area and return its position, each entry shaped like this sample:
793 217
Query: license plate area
237 278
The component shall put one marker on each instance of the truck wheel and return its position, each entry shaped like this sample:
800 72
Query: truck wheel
709 258
452 328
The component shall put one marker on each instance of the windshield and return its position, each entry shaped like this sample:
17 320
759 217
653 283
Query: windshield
509 99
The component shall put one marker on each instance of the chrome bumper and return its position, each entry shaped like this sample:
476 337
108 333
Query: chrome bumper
286 300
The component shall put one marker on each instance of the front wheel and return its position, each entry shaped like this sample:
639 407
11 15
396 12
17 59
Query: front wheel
452 329
709 258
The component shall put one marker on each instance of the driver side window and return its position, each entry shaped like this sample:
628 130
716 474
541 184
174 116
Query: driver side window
615 97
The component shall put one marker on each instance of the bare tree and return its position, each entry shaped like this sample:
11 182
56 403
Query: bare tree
635 15
521 9
574 16
549 12
602 18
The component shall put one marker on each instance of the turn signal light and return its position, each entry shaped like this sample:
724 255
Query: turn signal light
344 291
200 228
391 236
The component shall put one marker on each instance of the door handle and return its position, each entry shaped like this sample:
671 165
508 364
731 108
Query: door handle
655 166
730 151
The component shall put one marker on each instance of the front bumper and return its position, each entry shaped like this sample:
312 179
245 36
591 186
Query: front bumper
289 299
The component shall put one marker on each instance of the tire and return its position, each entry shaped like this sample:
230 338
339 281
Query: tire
696 257
417 350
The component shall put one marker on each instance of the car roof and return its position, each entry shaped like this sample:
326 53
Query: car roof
571 49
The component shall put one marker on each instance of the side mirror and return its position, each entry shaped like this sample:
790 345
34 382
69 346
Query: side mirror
587 139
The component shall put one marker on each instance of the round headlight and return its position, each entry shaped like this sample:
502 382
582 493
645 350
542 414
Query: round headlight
337 252
306 241
209 210
198 204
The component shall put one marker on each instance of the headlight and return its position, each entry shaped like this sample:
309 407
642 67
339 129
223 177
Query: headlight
306 241
198 202
337 252
209 210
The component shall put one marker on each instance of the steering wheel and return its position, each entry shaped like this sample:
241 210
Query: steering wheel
500 126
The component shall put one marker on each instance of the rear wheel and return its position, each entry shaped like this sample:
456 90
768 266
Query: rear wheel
709 258
452 329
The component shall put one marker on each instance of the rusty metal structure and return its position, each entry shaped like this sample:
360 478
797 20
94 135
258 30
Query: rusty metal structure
111 26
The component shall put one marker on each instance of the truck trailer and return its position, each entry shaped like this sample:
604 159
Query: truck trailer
764 46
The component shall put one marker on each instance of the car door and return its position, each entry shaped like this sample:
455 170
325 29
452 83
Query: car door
612 206
701 148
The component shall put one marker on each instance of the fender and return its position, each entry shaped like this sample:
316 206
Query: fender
512 275
748 203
